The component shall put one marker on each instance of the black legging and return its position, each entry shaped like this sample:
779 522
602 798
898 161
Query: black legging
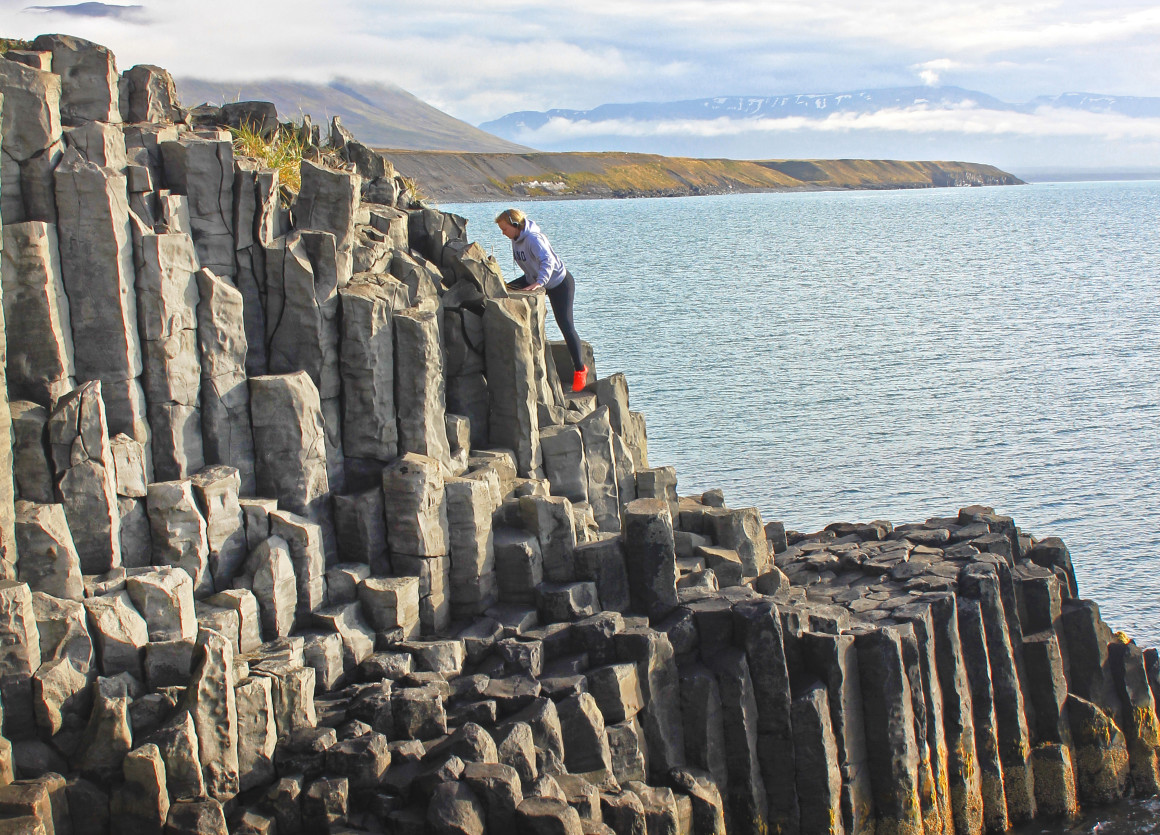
561 297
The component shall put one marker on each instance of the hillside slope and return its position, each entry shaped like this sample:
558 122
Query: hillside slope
378 114
455 177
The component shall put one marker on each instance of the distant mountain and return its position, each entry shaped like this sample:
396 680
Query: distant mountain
1049 133
752 107
814 106
380 115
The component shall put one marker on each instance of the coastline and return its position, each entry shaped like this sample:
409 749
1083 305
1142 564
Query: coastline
455 177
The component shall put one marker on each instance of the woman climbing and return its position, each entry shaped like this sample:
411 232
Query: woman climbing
543 270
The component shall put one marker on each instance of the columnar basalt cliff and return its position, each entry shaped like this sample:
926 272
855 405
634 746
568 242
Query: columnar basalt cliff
301 533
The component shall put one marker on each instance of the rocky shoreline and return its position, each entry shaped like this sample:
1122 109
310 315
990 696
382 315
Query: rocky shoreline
304 535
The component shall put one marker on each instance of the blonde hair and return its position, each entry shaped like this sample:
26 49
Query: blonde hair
512 216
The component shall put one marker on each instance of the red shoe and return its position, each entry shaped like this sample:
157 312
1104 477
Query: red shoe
580 379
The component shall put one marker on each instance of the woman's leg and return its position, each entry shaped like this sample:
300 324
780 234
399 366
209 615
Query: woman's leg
561 297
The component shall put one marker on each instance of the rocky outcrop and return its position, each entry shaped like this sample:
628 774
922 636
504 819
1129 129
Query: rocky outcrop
290 546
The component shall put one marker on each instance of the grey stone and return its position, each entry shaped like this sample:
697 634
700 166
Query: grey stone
602 562
63 630
148 94
50 563
293 688
107 738
96 265
141 804
367 362
585 742
1139 726
167 311
203 171
136 538
83 461
246 605
225 397
818 774
519 566
290 446
342 582
546 816
40 351
550 519
30 465
274 585
19 658
890 740
513 422
179 532
323 652
168 663
164 597
391 603
196 817
60 694
981 582
100 142
257 732
217 492
302 309
650 553
741 531
471 545
178 743
358 640
257 515
305 541
563 602
416 507
211 702
88 74
420 398
129 460
328 201
977 667
119 633
31 111
563 452
418 713
629 753
1102 763
747 793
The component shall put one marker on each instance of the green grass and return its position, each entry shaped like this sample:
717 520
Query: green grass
282 151
13 43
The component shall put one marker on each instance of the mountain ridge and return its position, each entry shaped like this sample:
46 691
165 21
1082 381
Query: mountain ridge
382 115
820 105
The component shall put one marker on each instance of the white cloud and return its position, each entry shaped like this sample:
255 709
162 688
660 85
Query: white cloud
1044 122
479 61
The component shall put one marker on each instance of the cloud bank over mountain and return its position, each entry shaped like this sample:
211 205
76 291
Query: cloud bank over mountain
1073 130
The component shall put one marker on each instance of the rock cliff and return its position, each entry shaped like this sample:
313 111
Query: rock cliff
301 533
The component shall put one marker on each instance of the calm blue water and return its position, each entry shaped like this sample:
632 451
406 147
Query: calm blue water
893 355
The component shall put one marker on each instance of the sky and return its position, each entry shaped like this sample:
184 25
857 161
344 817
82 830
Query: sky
479 61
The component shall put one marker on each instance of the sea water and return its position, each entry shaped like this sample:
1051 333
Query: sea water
850 356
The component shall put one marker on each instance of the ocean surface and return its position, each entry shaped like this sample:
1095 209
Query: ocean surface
850 356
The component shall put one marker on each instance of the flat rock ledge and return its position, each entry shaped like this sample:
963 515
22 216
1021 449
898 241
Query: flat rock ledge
300 532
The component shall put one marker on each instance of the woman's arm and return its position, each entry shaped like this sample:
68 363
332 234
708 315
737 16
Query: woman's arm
538 243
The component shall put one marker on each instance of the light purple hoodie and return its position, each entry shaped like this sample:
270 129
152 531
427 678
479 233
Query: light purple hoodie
541 265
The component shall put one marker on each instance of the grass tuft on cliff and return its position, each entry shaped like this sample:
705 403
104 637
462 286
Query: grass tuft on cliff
13 43
281 151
